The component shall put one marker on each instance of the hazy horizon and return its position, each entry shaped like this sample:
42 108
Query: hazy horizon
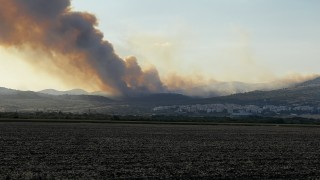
159 46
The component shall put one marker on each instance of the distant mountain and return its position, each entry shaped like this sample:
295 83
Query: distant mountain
88 98
100 93
310 83
159 98
228 88
73 92
304 94
70 92
6 91
14 100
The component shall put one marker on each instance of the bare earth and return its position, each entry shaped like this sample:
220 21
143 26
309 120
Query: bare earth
106 151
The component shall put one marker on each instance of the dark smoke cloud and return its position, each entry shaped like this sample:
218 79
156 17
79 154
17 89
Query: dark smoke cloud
44 9
139 80
51 26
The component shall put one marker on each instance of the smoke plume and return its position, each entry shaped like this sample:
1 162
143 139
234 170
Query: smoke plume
50 26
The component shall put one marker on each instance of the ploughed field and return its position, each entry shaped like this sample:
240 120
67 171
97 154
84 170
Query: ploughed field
106 151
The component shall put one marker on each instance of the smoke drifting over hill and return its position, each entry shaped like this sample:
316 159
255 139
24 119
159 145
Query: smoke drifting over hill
73 43
67 44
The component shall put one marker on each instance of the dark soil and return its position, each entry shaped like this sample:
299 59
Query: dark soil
107 151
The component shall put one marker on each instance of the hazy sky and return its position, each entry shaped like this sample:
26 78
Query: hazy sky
224 40
245 40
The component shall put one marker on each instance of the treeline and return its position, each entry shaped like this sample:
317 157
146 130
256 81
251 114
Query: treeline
56 115
247 119
152 118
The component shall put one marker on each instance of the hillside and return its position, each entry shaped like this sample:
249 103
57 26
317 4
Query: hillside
6 91
159 99
13 100
304 93
70 92
310 83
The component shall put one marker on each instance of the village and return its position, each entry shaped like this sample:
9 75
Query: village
238 110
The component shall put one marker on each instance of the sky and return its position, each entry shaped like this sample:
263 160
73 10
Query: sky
205 40
223 40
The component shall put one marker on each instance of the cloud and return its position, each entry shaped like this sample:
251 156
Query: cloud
72 42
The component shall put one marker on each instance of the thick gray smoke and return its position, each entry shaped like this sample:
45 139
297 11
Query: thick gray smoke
50 25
